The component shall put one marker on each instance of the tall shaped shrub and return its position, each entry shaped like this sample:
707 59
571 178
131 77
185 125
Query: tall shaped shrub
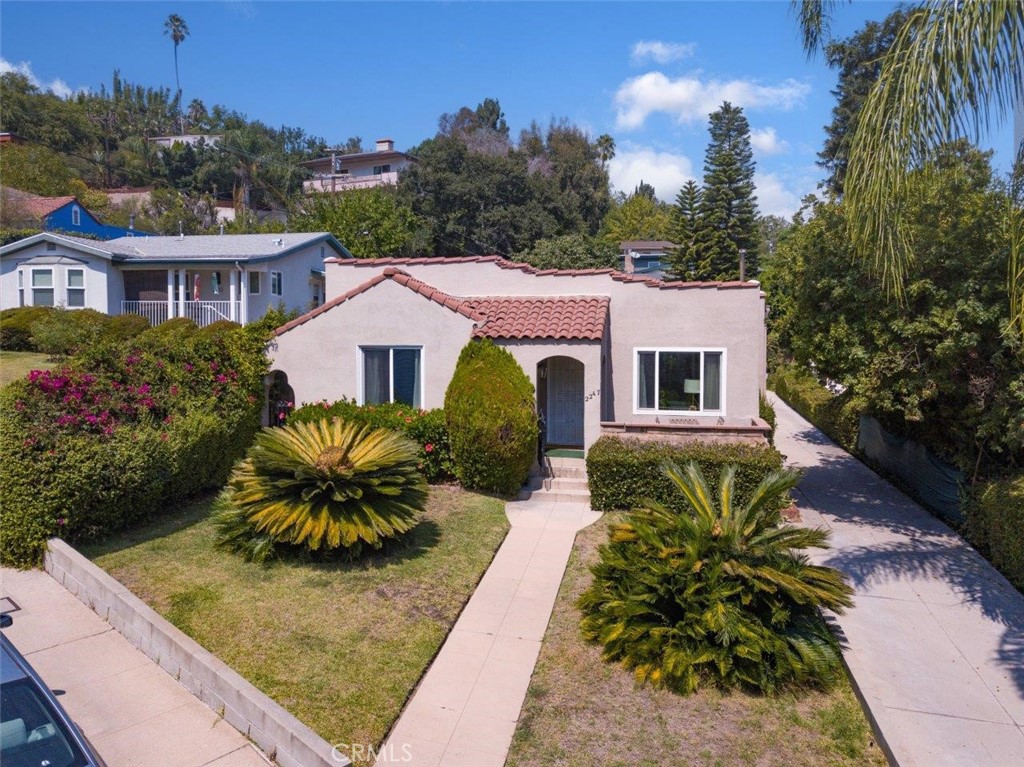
492 420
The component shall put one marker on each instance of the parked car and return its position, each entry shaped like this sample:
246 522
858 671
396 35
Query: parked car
35 731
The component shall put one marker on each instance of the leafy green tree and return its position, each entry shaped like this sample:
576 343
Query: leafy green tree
937 367
897 129
728 207
720 594
858 60
685 221
571 251
34 168
369 222
771 229
637 218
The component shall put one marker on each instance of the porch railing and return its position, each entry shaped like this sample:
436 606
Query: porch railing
202 313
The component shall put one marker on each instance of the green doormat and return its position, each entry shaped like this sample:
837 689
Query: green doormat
562 452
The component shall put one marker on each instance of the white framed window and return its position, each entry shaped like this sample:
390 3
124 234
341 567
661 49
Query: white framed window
42 287
391 374
254 283
75 286
21 287
379 169
76 216
276 287
215 283
679 381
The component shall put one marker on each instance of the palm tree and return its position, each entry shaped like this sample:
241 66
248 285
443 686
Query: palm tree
953 68
176 27
196 113
605 148
720 593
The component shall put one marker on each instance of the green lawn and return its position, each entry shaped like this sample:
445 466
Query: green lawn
15 365
339 645
581 712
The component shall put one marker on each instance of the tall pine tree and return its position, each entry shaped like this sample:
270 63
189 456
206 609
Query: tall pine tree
727 222
685 219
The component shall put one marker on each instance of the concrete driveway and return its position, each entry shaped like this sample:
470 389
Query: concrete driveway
935 641
131 710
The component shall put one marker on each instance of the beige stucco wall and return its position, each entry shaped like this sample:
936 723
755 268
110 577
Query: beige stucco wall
640 316
322 358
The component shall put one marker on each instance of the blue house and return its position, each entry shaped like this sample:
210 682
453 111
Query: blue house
59 214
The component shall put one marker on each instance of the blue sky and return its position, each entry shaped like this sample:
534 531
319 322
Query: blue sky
647 73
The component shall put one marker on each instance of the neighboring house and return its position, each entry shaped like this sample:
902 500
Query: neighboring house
339 172
646 257
191 139
63 214
608 352
203 277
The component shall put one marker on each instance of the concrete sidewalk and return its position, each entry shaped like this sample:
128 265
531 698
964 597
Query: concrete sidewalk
936 637
131 710
464 712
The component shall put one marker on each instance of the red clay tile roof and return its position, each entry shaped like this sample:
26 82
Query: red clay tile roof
40 207
579 318
458 305
503 263
534 317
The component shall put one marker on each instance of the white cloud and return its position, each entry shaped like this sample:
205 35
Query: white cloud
660 51
767 141
665 171
57 86
773 197
689 99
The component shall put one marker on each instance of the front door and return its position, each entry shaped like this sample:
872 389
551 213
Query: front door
565 402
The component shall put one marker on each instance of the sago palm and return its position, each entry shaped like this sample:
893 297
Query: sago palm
722 594
953 67
321 485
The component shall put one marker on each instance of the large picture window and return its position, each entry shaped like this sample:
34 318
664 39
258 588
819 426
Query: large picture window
679 380
392 374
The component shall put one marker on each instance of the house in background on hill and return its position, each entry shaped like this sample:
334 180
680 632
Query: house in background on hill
340 172
646 257
55 214
205 278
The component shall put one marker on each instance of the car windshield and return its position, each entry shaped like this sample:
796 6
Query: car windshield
31 733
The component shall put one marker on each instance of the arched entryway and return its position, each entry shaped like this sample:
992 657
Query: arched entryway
560 402
280 398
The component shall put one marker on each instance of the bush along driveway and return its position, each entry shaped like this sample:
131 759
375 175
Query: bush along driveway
936 636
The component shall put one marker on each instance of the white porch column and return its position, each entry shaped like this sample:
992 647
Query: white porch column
170 293
244 279
233 294
181 292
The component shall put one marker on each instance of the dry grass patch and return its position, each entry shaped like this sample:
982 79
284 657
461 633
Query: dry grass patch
15 365
582 712
339 645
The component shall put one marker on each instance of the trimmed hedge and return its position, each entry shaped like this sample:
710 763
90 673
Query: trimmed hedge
16 327
836 415
995 524
767 412
492 420
121 433
427 428
624 473
61 332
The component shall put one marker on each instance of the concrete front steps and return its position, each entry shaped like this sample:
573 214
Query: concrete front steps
558 479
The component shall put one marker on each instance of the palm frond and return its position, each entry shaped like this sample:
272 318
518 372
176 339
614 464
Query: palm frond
814 17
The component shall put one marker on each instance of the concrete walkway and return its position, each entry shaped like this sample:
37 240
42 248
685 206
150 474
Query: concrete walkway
465 710
131 710
936 638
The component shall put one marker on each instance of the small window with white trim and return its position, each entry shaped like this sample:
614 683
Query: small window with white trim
42 287
76 288
679 381
392 374
76 216
254 283
21 287
276 288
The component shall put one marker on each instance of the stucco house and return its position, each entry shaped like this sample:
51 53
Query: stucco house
203 277
63 214
646 257
338 172
608 352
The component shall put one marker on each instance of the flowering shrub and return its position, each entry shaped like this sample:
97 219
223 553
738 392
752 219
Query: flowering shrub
122 429
426 428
